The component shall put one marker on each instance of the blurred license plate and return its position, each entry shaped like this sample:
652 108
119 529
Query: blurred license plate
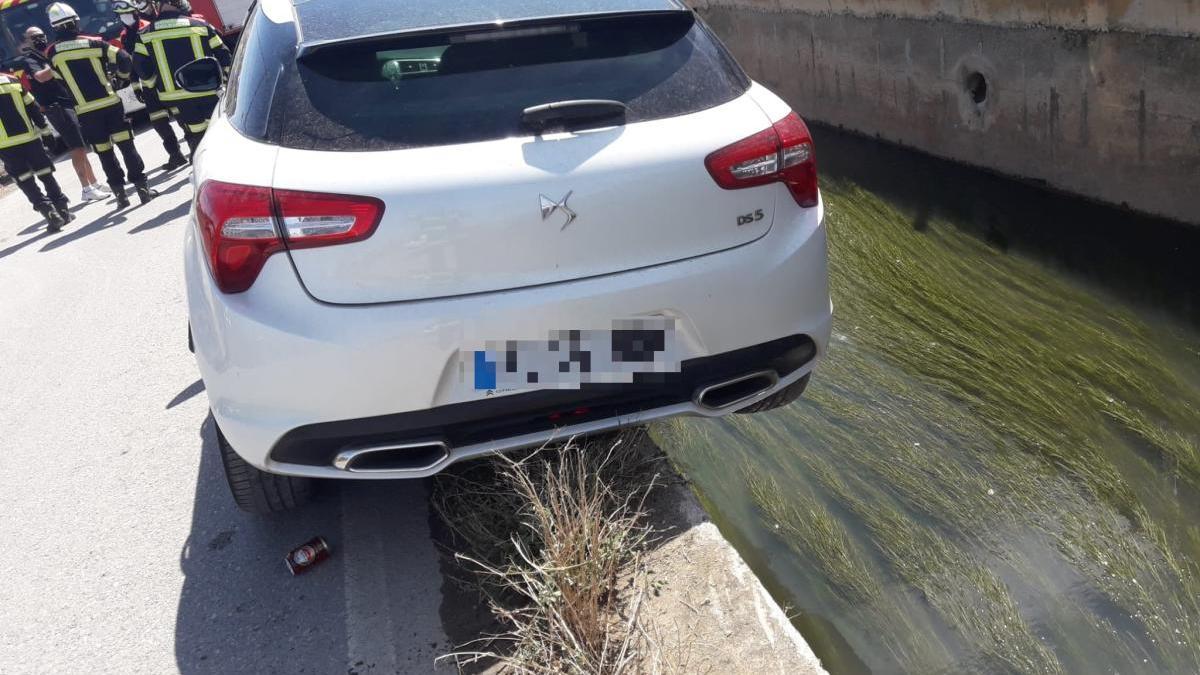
568 359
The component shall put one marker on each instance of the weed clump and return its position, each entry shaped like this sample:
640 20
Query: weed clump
551 539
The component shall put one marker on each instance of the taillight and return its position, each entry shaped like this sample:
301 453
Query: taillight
781 154
239 225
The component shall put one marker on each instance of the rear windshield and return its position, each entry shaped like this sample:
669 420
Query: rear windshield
473 86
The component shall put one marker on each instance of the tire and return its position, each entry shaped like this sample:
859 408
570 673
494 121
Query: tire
256 491
779 399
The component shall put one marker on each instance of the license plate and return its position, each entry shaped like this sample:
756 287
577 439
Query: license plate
568 359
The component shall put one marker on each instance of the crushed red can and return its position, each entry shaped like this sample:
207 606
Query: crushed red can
308 556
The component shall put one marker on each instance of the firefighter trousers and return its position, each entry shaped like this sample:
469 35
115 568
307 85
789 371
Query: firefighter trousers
28 163
105 129
160 119
193 115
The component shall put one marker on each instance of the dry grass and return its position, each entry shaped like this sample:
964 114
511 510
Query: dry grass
552 540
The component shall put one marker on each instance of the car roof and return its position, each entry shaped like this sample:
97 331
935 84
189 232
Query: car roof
323 21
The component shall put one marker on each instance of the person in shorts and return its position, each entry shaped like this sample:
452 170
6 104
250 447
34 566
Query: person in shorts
59 107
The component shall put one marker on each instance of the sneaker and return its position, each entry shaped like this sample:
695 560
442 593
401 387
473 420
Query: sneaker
92 193
102 189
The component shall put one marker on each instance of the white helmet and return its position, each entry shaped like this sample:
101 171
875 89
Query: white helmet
124 7
61 13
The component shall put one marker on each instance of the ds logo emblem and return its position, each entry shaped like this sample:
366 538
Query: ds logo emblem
751 218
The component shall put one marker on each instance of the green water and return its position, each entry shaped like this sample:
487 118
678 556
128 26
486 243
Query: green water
997 467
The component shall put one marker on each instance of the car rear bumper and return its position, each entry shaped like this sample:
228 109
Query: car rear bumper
279 366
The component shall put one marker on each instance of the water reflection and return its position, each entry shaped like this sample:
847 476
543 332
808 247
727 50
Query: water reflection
998 467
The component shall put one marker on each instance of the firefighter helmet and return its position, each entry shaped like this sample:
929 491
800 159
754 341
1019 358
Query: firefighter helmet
60 14
182 5
125 7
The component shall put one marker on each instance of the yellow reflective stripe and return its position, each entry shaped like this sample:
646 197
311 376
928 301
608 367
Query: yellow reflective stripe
140 48
103 147
216 42
44 172
25 177
20 139
28 99
154 39
112 54
158 115
164 72
99 104
7 140
59 63
121 136
182 95
198 127
149 83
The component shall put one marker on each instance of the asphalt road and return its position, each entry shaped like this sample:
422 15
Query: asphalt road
120 548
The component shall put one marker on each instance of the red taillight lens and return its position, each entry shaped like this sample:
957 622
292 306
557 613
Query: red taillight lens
782 154
238 225
238 230
312 219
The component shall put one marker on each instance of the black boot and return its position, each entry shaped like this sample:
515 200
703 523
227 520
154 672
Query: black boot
174 162
54 220
63 206
145 194
122 198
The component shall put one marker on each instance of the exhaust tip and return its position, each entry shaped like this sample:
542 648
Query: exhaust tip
737 391
392 457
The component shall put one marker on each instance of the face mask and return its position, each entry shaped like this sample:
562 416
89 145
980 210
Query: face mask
39 41
128 19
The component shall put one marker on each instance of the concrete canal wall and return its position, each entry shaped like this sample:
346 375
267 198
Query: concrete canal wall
1096 97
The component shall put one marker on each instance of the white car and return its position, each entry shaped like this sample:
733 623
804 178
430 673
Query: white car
567 217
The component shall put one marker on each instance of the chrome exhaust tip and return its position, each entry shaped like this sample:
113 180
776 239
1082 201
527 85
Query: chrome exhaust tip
392 457
737 392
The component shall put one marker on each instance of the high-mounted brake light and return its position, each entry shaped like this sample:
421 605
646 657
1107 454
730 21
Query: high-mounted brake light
240 226
781 154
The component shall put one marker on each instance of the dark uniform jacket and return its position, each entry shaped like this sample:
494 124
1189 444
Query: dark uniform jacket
20 120
85 65
171 42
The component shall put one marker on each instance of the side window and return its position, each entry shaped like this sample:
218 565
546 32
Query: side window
231 91
266 48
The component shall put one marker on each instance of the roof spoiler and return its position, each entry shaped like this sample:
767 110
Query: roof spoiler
307 49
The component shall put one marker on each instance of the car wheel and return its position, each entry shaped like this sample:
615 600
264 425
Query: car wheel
257 491
780 398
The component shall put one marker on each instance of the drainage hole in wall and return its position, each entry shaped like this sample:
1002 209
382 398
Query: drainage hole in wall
977 87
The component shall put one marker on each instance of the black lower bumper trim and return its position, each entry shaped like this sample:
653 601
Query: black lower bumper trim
463 424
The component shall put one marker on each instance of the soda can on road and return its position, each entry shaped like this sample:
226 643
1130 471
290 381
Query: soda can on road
307 556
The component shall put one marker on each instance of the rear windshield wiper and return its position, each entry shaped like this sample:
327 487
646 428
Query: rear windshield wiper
572 114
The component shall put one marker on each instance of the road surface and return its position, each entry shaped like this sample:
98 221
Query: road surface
120 548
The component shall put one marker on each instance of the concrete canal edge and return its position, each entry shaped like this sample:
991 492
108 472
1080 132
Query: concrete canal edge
1099 98
709 612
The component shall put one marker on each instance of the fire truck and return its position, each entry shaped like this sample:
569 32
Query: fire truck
96 17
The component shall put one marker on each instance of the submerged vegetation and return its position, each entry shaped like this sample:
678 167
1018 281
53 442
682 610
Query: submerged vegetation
996 468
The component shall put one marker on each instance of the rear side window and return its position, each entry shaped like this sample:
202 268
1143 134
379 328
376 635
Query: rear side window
473 86
265 47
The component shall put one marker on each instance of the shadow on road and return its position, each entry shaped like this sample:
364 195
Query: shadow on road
240 611
22 244
187 394
169 216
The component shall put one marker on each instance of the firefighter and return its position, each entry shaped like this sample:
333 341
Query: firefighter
84 63
22 128
173 40
132 14
59 108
